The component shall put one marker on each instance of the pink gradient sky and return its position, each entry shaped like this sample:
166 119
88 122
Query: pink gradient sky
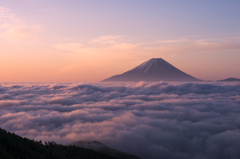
88 41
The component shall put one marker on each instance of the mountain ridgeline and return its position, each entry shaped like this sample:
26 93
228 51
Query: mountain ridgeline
230 80
98 146
156 69
13 146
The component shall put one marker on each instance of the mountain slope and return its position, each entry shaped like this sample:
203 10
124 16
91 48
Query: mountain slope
97 146
229 80
156 69
15 147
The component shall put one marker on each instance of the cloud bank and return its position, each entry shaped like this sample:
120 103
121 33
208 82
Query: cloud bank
150 120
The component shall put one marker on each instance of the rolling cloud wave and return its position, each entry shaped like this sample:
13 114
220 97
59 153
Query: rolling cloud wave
150 120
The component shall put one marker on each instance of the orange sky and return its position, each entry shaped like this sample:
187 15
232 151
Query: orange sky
38 50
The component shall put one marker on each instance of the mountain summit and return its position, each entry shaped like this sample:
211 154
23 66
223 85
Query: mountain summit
155 69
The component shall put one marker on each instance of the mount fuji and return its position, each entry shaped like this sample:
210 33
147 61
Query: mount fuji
155 69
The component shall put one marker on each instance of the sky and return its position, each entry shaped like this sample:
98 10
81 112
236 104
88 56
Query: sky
88 41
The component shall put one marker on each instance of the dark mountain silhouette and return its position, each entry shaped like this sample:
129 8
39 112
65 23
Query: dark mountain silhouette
229 80
156 69
13 146
98 146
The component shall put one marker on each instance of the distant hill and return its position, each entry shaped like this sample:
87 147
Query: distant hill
229 80
155 69
97 146
15 147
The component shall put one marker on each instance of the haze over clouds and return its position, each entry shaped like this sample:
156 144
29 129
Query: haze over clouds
151 120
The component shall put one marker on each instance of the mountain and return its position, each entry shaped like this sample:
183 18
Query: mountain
155 69
98 146
13 146
229 80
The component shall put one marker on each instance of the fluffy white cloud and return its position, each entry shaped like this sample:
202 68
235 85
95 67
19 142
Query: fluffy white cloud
151 120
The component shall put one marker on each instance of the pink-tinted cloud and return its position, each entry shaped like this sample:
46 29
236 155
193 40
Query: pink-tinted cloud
110 39
14 28
151 120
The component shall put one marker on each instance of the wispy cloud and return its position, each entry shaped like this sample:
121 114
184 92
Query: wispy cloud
178 45
73 47
172 41
100 44
5 15
110 39
14 28
192 46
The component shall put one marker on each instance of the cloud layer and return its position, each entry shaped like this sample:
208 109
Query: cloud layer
151 120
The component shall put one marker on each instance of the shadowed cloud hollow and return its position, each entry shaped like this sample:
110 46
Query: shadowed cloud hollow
156 69
151 120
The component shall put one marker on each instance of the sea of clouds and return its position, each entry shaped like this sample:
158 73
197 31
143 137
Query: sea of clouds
150 120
